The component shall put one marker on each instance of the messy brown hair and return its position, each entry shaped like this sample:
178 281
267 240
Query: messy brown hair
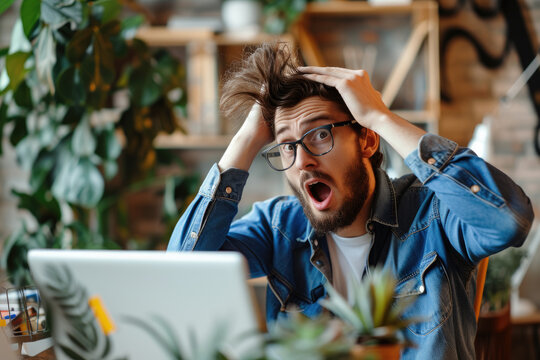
270 77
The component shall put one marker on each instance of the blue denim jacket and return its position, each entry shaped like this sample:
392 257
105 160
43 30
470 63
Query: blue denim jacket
431 228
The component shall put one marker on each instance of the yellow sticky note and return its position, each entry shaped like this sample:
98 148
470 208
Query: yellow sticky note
101 314
3 322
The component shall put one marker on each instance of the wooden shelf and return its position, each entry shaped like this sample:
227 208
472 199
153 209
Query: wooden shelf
355 8
326 28
181 141
167 37
204 60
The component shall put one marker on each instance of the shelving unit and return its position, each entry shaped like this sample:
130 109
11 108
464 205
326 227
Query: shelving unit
406 69
203 52
404 39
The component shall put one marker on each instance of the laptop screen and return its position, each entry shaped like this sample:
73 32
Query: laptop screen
146 304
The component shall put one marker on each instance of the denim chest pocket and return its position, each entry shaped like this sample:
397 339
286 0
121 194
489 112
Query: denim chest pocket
430 286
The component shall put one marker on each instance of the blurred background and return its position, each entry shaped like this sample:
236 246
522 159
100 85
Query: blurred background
107 133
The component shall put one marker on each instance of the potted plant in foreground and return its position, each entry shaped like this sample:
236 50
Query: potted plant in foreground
374 317
369 328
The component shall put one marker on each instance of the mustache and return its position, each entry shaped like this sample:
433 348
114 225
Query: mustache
306 175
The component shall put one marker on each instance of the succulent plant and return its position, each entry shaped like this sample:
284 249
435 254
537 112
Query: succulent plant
374 316
299 337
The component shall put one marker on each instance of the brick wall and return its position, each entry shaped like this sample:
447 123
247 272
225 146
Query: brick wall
475 92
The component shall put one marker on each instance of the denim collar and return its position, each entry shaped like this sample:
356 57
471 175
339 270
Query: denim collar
384 201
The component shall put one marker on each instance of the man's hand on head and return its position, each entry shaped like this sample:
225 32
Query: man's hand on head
367 107
363 101
256 128
253 135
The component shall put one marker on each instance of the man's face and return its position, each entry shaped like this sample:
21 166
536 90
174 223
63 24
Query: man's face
332 188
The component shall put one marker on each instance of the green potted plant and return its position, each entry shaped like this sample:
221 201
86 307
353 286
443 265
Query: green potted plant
494 332
81 102
497 287
279 15
299 337
374 316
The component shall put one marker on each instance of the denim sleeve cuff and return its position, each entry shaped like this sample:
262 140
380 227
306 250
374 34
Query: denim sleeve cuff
433 154
228 184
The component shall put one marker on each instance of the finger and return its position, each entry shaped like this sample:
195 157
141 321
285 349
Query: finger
329 70
323 79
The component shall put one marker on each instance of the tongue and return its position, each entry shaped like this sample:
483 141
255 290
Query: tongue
320 191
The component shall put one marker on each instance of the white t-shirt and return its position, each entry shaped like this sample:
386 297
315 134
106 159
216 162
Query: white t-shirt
349 259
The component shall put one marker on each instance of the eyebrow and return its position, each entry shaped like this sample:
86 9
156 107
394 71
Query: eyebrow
307 121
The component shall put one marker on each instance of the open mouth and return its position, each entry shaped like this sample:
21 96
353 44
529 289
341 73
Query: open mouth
320 193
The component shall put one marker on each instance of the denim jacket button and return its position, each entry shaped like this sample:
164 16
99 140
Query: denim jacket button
228 190
475 188
431 161
421 288
193 235
316 242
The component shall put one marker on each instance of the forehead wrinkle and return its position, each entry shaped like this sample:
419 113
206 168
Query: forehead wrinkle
306 111
305 121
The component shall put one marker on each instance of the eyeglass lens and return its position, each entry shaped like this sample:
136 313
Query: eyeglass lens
318 141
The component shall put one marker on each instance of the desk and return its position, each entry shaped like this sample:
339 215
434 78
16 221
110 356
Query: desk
45 355
530 321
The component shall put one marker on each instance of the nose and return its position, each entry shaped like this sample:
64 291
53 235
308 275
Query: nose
304 160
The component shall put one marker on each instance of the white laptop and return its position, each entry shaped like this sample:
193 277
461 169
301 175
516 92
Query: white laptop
146 304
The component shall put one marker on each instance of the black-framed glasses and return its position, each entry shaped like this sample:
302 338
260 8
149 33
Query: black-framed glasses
317 142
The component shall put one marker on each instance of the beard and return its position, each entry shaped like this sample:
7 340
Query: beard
356 184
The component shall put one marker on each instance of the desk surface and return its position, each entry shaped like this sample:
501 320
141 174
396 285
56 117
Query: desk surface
530 319
45 355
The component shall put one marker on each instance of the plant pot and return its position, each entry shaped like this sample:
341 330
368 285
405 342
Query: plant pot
372 352
241 16
494 335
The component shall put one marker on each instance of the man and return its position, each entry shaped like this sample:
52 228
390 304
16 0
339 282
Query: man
431 228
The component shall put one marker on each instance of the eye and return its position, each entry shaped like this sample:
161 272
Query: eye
287 148
320 135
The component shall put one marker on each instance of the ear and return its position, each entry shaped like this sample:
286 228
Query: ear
369 142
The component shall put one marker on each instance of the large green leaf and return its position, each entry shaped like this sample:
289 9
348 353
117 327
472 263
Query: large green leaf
19 131
103 60
73 115
110 28
83 142
13 257
98 80
130 25
42 168
40 204
23 96
144 86
46 57
70 86
167 66
5 4
15 68
79 182
27 151
108 146
110 168
57 13
106 10
78 46
30 13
